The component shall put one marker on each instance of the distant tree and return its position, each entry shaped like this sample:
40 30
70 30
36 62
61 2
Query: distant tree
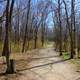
26 28
0 31
60 27
72 28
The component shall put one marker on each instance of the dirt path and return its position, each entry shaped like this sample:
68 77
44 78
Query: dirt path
48 66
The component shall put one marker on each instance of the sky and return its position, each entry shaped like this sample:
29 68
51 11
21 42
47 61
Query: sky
49 18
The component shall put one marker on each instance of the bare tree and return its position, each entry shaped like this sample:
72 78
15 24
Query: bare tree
72 28
26 29
6 50
60 27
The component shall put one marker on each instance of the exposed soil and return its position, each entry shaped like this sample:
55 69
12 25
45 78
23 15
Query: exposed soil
45 64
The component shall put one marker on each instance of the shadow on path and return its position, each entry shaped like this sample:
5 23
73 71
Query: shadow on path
44 57
36 66
78 78
44 64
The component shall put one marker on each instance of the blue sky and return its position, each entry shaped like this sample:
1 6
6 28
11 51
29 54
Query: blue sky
49 18
3 4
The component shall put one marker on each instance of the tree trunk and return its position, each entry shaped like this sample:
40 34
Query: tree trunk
72 30
35 38
60 28
26 31
6 51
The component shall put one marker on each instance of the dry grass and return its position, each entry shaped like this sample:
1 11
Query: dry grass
21 63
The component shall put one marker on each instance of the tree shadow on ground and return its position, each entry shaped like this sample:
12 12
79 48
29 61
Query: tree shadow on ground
14 76
44 57
78 78
36 66
51 63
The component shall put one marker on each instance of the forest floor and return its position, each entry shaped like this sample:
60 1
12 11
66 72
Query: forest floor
45 64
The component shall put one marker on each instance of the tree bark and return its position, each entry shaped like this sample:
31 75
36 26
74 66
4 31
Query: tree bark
72 29
26 31
60 28
6 50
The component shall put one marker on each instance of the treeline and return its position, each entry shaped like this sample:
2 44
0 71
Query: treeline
22 23
27 24
66 27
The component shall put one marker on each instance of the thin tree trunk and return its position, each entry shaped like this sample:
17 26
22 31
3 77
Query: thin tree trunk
26 31
43 31
60 28
72 30
35 38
